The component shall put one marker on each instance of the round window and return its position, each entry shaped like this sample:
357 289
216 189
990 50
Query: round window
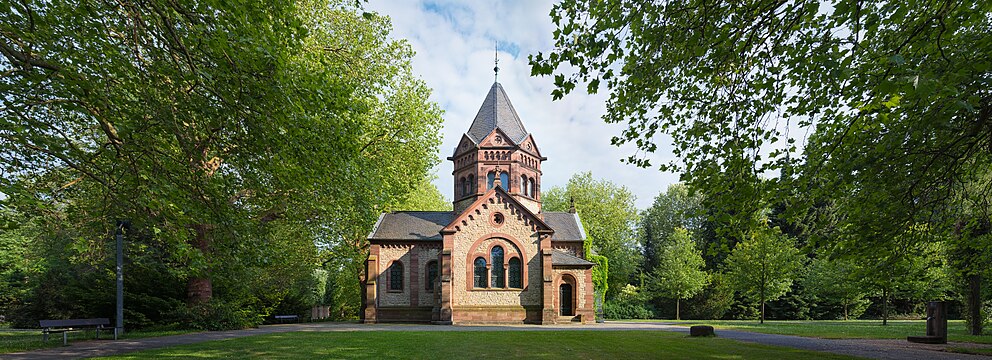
498 219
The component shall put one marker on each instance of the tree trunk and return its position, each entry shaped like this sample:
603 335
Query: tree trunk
762 305
885 307
975 304
199 289
677 301
845 311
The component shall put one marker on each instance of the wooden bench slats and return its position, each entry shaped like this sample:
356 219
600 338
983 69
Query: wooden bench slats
74 322
65 326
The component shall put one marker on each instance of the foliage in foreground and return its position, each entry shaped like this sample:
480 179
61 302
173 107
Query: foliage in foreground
234 137
890 99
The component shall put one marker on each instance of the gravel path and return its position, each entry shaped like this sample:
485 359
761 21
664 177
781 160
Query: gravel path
873 349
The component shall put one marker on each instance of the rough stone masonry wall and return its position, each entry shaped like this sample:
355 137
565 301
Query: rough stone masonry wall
580 286
414 275
427 252
479 227
389 253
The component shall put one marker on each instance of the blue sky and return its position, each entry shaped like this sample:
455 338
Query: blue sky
454 41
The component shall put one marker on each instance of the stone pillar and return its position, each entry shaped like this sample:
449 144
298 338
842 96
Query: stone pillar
588 313
436 310
550 313
371 275
414 276
448 242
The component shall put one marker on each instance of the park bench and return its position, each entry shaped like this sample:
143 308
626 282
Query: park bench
65 326
285 318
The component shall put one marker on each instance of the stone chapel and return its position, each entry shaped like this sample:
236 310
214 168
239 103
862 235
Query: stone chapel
497 258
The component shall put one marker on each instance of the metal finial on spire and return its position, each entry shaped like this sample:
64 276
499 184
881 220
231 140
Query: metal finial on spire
496 68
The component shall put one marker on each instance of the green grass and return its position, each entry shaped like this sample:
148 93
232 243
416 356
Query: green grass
840 329
30 339
477 345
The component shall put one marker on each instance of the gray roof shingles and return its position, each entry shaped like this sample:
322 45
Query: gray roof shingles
566 225
427 225
561 258
497 112
412 225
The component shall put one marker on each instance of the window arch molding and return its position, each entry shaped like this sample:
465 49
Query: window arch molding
570 279
484 253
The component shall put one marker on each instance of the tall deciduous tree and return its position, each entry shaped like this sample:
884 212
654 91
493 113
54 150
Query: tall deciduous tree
764 265
836 281
205 122
680 272
892 94
608 217
675 208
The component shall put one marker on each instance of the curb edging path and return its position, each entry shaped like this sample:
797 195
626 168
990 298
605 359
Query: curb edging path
873 349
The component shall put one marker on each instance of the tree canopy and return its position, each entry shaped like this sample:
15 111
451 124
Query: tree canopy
891 93
878 111
225 132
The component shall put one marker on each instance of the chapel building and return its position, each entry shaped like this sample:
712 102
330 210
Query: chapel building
497 258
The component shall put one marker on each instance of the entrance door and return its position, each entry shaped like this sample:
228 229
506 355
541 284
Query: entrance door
565 298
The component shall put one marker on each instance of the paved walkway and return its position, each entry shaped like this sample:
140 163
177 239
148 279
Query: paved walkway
874 349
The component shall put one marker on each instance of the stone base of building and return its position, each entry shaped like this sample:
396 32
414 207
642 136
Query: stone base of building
404 314
496 315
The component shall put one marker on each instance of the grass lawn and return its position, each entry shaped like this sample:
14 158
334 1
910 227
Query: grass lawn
840 329
12 340
477 345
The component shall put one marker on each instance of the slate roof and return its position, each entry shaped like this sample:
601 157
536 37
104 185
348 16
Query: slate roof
411 225
427 225
562 258
497 112
566 225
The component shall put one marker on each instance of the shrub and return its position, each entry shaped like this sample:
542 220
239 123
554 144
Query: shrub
219 315
629 304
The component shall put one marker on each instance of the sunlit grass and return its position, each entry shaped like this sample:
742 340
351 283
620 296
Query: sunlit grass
841 329
16 340
478 345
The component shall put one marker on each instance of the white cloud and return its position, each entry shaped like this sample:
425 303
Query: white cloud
454 41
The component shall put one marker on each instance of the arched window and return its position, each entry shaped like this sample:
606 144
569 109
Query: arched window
499 277
504 178
396 276
431 274
490 178
515 271
464 187
471 184
480 272
523 185
533 188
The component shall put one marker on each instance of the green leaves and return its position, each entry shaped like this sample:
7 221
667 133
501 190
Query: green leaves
608 217
680 272
764 265
244 118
